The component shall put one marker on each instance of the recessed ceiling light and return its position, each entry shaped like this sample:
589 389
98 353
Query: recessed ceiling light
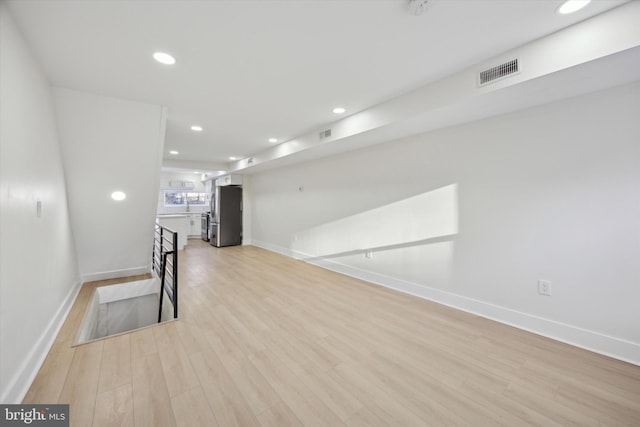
164 58
571 6
118 195
174 152
339 110
273 139
196 172
196 128
233 158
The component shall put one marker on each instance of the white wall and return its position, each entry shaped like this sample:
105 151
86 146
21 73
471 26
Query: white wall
111 144
546 193
38 270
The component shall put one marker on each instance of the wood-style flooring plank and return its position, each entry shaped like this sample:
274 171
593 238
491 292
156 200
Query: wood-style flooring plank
151 401
191 337
259 395
268 340
191 408
115 368
382 402
298 397
330 392
279 415
142 343
48 384
178 372
229 406
81 386
114 407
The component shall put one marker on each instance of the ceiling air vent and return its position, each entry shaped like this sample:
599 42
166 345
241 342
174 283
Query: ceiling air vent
174 183
499 72
325 134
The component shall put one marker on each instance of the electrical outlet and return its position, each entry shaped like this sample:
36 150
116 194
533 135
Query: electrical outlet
544 287
368 254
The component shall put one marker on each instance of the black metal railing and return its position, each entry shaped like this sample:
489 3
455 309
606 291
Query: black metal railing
164 261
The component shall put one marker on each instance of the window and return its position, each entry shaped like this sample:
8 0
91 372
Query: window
183 198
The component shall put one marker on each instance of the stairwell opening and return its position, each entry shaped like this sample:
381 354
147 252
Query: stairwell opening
121 308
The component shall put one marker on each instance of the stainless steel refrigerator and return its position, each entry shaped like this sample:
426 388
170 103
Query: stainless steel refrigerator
226 216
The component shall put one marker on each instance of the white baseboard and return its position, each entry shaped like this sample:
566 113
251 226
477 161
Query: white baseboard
589 340
26 373
275 248
116 274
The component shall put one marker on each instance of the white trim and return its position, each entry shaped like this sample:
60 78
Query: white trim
21 382
275 248
617 348
116 274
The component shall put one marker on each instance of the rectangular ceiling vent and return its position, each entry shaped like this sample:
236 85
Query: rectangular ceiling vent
498 72
325 134
188 185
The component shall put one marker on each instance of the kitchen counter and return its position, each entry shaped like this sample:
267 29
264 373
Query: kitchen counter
177 223
179 213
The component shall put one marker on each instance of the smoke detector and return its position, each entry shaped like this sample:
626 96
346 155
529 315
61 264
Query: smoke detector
416 7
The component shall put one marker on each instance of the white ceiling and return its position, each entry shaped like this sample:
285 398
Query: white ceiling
248 70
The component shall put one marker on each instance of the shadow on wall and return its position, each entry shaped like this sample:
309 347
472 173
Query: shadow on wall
411 239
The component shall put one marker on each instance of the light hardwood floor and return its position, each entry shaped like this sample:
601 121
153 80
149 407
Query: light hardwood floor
266 340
